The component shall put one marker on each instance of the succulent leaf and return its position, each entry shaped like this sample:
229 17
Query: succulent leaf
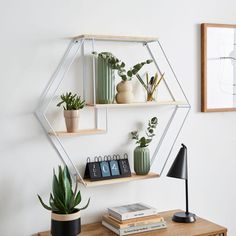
63 198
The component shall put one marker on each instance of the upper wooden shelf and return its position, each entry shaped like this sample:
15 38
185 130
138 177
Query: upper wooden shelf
117 38
80 132
133 177
139 104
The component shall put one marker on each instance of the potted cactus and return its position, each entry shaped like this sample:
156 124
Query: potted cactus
63 201
72 103
141 152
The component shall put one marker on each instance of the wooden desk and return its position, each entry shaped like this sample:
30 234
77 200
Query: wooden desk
200 228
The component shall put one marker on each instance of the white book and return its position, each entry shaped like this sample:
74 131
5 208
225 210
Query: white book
135 229
131 211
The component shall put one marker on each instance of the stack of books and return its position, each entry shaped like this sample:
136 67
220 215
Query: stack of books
133 218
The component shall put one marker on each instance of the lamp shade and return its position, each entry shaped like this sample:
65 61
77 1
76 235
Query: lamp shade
179 167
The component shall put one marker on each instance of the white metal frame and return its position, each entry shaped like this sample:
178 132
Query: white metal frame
75 45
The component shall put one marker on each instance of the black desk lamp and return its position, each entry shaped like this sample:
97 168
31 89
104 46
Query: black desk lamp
179 170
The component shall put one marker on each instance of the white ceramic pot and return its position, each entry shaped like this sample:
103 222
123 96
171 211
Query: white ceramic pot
124 92
71 120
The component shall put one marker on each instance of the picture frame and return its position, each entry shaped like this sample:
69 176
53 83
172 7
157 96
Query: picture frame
218 67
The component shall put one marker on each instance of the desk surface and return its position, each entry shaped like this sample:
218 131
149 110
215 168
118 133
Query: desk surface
200 228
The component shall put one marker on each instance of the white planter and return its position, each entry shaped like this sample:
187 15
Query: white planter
124 92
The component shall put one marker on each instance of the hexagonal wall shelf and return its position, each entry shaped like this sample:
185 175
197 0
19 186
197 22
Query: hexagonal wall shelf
170 95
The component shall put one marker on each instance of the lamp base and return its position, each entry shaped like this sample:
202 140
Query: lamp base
183 217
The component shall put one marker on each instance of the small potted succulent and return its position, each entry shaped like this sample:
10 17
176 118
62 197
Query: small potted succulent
63 201
141 152
72 103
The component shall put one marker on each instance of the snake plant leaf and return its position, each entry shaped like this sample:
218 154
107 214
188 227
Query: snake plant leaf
67 188
53 204
59 205
57 188
77 199
80 209
43 204
68 175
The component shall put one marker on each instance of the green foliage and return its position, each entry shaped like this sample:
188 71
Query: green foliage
119 65
63 199
145 141
71 101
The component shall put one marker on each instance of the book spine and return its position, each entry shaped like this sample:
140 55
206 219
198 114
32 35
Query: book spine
115 214
141 223
139 229
138 214
110 227
132 224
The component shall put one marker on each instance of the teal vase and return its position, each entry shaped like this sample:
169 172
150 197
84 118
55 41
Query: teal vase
105 82
141 160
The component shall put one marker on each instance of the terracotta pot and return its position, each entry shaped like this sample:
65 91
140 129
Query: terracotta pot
124 92
65 225
71 120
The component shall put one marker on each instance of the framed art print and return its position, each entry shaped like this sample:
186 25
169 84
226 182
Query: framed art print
218 67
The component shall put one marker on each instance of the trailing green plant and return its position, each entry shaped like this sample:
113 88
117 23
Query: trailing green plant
63 199
145 141
71 101
119 65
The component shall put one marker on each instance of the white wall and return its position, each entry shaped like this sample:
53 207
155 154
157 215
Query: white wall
32 42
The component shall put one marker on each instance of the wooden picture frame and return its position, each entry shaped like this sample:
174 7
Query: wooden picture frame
218 67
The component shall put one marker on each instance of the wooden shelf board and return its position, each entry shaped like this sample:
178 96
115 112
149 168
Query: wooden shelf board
133 177
80 132
117 38
139 104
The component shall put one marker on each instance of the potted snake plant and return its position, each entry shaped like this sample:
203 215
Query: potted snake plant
63 201
141 152
72 103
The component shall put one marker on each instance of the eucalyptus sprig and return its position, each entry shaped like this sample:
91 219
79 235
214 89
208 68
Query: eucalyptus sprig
72 102
63 199
119 65
127 75
145 141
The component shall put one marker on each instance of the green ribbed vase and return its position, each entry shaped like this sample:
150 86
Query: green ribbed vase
141 160
105 82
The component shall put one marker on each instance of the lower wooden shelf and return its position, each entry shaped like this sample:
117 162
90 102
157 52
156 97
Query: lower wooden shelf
80 132
133 177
